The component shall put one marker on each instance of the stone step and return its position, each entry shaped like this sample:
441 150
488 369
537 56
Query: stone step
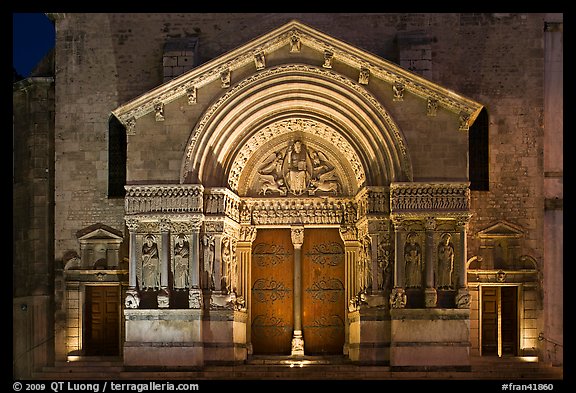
269 368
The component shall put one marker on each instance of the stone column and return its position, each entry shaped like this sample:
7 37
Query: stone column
195 292
297 339
163 294
462 295
132 298
244 254
398 295
430 295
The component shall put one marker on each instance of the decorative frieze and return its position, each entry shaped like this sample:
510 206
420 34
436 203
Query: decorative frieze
173 198
297 211
222 201
415 197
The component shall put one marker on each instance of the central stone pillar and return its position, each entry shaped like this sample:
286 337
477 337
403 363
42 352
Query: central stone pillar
297 339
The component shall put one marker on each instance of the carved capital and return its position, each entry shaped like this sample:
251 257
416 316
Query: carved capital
247 234
165 225
163 298
297 234
132 224
430 224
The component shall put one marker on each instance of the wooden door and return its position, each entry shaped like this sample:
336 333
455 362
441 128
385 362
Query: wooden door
509 324
102 320
489 321
323 294
272 286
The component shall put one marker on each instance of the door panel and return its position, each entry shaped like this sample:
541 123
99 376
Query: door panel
272 286
102 320
489 321
508 299
323 294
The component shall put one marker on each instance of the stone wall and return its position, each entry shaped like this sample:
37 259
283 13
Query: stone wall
32 213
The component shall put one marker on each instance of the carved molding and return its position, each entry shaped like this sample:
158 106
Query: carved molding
221 201
173 198
414 197
297 68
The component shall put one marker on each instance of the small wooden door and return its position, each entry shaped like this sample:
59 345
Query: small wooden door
102 320
272 288
489 321
323 294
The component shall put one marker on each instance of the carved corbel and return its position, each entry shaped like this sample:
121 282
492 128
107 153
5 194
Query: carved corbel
259 60
295 44
398 89
328 59
463 122
432 107
192 94
225 78
159 111
131 126
364 76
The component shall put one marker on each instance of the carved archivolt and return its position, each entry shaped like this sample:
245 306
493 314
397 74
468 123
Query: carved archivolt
382 124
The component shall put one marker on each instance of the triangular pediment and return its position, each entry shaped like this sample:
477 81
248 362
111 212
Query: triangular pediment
293 36
501 229
98 232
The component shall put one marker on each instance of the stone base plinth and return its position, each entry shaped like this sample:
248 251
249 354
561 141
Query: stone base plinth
184 338
369 336
430 338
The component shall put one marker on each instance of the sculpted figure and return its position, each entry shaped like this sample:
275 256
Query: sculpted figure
445 262
181 258
413 260
150 264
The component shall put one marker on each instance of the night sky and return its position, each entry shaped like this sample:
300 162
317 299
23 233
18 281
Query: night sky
33 37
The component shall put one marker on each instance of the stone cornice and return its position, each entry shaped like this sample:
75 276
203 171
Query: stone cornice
283 36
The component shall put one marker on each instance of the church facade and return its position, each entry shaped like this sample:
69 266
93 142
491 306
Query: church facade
226 189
